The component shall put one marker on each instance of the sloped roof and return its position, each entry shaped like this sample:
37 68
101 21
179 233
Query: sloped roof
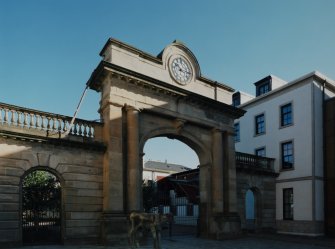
165 166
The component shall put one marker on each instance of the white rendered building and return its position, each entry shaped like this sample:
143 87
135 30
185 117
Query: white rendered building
285 121
154 170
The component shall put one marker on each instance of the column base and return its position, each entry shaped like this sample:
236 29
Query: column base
224 226
114 231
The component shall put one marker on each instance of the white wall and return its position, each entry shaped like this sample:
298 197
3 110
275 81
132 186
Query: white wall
300 97
307 136
152 175
302 199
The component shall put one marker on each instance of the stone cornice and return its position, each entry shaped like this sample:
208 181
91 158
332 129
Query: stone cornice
125 46
158 59
255 171
105 68
84 144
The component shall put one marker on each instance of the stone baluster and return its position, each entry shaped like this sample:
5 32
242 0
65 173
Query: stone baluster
38 124
43 127
90 131
66 125
12 118
19 119
49 123
79 131
75 130
6 116
32 123
25 119
60 125
54 124
85 130
0 115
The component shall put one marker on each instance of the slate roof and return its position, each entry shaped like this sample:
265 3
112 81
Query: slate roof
165 166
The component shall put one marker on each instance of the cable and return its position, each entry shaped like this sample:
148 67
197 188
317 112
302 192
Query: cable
75 113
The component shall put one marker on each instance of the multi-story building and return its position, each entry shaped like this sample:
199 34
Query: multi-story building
285 122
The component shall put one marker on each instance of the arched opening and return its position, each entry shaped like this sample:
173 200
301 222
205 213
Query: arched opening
250 210
41 207
171 183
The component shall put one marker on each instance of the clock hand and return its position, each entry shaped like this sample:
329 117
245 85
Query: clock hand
184 71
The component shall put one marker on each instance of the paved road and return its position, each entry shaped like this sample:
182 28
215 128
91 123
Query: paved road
247 242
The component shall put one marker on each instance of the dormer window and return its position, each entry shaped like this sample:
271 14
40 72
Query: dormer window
236 99
263 88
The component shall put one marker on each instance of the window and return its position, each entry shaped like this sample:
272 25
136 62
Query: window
264 88
287 155
259 124
286 115
237 132
236 100
260 152
288 203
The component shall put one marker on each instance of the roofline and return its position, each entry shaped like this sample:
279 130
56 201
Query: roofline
330 83
244 93
103 65
271 76
158 59
161 170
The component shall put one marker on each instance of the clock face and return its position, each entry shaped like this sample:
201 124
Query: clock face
181 70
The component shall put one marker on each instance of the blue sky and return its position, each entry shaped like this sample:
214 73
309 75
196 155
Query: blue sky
48 49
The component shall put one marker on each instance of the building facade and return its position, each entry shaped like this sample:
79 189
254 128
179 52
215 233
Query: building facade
155 171
285 122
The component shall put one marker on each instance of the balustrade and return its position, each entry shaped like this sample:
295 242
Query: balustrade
253 161
52 124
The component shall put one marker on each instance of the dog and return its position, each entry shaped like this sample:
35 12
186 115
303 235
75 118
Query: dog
147 221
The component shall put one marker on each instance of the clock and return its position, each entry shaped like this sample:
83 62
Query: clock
181 70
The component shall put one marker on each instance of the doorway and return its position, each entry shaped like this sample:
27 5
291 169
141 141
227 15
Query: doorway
41 208
171 184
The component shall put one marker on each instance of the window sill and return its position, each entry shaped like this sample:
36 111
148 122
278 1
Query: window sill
260 134
283 170
285 126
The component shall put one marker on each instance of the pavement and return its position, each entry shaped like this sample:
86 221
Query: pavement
253 241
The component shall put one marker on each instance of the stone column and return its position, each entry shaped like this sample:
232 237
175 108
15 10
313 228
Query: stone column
134 179
224 220
230 195
217 172
114 221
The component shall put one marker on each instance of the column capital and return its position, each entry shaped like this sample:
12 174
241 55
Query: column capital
217 130
109 103
131 108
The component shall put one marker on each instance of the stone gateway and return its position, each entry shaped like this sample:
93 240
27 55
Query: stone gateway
143 97
99 164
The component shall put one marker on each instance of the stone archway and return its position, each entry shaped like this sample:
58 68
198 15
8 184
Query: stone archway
41 206
143 96
253 209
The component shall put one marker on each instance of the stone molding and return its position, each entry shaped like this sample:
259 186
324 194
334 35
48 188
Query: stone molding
78 143
143 81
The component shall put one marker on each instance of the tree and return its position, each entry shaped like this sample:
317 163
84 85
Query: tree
41 194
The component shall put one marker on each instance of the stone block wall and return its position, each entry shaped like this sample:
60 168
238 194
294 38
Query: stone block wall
263 188
79 170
